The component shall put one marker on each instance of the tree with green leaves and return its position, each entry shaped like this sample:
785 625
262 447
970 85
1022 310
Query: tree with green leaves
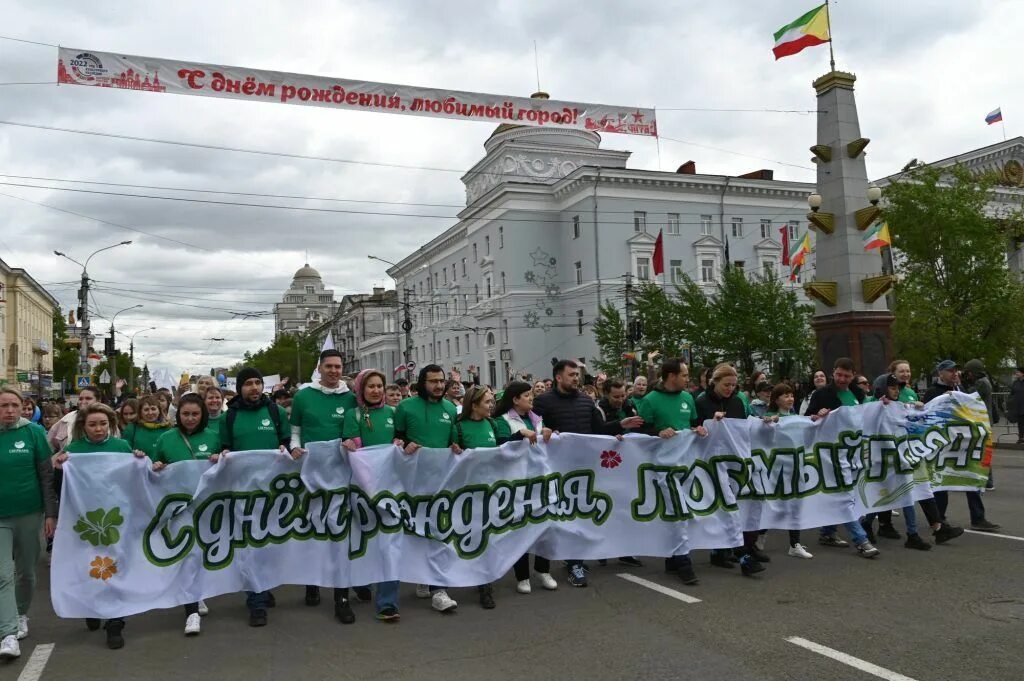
610 333
65 358
280 357
955 296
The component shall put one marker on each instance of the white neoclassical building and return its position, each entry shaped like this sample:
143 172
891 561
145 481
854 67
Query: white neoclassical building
305 305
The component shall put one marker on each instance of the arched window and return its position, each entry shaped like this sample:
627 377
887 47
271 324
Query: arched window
490 339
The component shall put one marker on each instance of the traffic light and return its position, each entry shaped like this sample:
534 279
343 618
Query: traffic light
108 347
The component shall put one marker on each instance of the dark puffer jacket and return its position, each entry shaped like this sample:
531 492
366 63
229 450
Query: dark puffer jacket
710 403
572 412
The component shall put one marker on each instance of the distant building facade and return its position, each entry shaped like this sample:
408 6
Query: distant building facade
305 305
26 332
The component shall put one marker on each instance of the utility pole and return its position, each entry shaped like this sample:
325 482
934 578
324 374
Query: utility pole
629 319
83 322
407 327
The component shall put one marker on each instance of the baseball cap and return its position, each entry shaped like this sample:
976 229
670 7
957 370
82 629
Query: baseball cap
945 365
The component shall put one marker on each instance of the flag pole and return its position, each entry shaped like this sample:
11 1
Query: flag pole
831 54
1002 122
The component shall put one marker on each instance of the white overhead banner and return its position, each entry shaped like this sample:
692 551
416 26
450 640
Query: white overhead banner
150 74
130 539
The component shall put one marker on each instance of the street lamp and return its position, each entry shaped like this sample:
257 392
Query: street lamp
112 355
131 356
874 194
83 300
406 325
814 201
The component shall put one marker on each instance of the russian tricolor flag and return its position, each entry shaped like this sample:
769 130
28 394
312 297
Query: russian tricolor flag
994 116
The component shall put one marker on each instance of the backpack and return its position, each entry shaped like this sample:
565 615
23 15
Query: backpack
229 421
458 432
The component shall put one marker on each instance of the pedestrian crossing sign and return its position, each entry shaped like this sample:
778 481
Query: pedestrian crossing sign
83 380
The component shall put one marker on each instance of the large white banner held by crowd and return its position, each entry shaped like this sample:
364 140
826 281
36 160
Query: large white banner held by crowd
130 539
150 74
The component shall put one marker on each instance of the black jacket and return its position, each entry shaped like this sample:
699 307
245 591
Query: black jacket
610 413
1016 397
709 403
572 413
938 389
828 398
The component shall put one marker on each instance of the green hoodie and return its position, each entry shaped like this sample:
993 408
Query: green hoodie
114 445
379 431
661 409
171 447
470 434
144 435
22 449
427 423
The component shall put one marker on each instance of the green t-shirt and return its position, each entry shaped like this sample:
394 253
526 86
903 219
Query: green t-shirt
214 422
427 423
907 394
171 447
254 429
87 446
779 414
847 398
504 428
380 430
144 438
668 410
21 450
745 399
320 416
482 433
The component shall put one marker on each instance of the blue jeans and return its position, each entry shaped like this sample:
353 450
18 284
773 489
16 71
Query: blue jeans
857 533
387 596
256 600
974 505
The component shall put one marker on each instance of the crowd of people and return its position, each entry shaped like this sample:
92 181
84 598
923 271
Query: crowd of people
206 422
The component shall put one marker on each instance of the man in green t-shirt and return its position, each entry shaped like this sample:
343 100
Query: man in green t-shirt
426 421
254 422
666 410
318 415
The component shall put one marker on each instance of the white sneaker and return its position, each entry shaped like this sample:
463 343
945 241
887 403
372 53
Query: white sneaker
192 624
9 647
524 587
546 580
798 551
422 591
442 602
204 610
22 626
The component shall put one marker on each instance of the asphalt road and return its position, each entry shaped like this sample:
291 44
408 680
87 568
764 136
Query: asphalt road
955 612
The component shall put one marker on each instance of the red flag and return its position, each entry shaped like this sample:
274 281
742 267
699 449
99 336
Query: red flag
785 244
659 256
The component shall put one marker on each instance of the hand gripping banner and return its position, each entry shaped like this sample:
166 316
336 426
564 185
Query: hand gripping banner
131 539
150 74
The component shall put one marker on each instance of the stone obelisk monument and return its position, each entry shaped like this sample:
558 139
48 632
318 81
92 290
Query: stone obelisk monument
851 316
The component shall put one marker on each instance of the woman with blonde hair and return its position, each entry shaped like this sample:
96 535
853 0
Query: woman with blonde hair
151 424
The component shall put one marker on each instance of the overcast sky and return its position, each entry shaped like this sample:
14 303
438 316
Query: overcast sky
928 72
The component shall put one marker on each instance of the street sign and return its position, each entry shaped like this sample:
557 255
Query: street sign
83 380
506 355
105 377
23 376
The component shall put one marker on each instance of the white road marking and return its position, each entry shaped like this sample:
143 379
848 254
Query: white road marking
993 534
654 586
850 660
36 663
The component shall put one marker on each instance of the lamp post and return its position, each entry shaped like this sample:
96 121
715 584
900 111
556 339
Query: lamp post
83 301
112 355
131 357
406 325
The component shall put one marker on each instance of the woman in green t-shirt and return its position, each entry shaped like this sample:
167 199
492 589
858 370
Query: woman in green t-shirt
90 434
213 398
371 423
26 494
151 424
190 440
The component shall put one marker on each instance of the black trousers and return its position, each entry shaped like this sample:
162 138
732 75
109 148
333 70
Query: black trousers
522 566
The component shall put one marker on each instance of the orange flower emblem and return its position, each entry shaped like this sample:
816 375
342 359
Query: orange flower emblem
103 568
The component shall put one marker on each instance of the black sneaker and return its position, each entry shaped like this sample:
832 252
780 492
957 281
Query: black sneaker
631 561
888 531
92 623
759 556
985 526
869 530
722 560
271 601
312 596
388 614
343 612
258 618
947 532
749 566
914 541
114 638
487 599
687 574
363 594
577 575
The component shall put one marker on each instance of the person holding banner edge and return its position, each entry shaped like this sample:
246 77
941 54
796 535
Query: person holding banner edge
28 504
426 421
318 415
253 422
370 424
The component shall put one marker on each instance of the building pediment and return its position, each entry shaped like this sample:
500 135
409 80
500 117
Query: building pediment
708 242
768 245
641 239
